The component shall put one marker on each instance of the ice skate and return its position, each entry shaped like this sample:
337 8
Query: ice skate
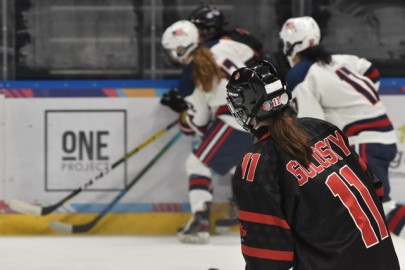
197 230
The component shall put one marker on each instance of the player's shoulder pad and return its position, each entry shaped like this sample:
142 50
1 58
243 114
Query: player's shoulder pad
297 74
211 43
317 128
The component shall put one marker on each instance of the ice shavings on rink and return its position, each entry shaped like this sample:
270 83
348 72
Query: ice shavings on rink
126 253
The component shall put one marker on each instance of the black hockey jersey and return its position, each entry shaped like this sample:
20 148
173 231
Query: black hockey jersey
326 216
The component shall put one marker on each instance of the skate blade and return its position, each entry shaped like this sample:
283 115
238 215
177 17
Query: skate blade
222 230
199 238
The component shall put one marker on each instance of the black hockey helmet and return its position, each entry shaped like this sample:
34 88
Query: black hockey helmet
256 93
208 19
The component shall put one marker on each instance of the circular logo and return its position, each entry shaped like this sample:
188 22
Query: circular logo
267 105
284 98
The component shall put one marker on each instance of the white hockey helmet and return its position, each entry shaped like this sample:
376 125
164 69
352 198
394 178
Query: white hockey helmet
180 39
298 34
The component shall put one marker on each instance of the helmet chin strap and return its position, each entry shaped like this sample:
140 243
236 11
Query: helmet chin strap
187 59
290 60
257 124
250 124
289 53
184 58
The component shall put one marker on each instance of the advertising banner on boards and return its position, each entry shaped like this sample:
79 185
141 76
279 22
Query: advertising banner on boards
80 143
53 145
56 145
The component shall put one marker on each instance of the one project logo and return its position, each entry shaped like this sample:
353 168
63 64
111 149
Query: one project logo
81 144
84 150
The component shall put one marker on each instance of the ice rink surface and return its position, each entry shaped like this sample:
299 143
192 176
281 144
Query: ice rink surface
125 253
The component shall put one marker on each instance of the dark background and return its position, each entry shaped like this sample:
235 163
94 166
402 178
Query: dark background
120 39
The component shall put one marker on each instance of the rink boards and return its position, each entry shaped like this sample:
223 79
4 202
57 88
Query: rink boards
56 136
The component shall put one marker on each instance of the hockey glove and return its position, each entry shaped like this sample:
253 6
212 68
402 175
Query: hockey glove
174 101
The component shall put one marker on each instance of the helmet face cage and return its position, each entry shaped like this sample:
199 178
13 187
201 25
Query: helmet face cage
239 113
255 93
180 39
236 102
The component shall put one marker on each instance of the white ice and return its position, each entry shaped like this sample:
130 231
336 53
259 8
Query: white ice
125 253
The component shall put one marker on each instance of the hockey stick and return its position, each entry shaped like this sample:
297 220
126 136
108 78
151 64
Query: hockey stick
69 228
26 208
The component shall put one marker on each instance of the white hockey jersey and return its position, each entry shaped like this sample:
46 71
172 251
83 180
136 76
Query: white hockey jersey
341 94
205 106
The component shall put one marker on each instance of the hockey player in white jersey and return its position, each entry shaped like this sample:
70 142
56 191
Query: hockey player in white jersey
212 26
342 89
205 113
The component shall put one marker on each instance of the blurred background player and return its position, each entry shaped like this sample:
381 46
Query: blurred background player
342 89
306 199
212 27
233 48
210 22
204 112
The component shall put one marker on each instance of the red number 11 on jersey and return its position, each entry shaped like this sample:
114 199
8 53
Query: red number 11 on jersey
336 183
249 165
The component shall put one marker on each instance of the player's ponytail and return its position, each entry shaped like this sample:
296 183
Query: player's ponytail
205 69
292 137
316 53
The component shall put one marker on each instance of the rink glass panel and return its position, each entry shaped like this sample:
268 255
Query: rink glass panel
120 39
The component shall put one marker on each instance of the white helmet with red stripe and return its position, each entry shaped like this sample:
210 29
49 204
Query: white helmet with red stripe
298 34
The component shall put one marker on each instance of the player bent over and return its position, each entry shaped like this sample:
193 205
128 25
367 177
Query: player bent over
204 113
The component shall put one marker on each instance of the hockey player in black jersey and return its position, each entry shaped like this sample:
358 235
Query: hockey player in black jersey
213 26
306 200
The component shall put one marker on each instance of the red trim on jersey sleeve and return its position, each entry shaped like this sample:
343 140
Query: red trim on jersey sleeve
356 129
264 137
373 74
268 253
263 219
